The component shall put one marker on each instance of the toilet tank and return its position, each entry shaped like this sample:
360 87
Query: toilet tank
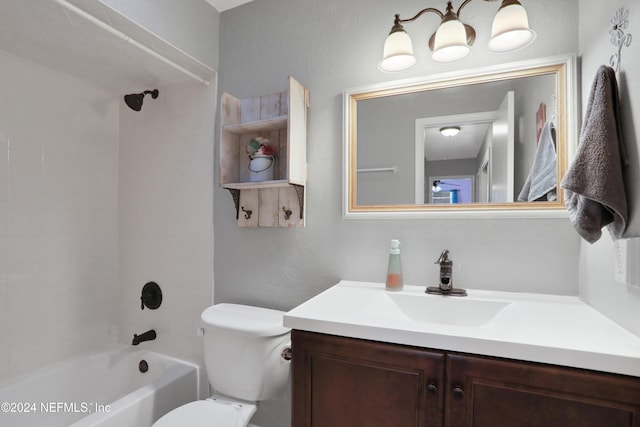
242 346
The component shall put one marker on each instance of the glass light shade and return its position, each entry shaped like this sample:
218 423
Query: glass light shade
510 30
450 42
398 53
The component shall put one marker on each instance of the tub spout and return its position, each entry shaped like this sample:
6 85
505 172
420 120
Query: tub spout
150 335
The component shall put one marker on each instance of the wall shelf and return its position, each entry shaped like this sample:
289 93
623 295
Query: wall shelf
282 119
257 185
276 123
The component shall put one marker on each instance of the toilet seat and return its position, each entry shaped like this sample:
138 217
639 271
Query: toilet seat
205 413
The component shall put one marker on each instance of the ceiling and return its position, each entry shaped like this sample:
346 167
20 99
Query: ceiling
93 50
465 145
222 5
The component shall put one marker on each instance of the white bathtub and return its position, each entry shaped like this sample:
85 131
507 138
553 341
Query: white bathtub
104 389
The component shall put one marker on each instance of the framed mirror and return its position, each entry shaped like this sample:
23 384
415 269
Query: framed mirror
491 142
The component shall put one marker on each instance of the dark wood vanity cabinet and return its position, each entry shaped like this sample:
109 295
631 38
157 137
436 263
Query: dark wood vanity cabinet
495 392
345 382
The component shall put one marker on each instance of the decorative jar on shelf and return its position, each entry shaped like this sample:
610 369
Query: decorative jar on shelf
261 168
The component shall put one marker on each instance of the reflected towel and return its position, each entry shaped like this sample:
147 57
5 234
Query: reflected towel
595 193
543 177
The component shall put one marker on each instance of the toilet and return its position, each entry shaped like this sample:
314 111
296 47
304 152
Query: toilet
242 356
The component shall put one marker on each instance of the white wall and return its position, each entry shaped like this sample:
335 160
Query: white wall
88 186
165 217
191 25
597 285
58 216
166 188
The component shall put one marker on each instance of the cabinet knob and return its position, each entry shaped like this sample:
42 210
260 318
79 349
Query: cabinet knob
432 388
458 392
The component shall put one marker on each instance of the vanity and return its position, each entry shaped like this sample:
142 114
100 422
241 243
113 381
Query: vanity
363 356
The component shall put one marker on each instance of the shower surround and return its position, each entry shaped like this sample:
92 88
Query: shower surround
97 199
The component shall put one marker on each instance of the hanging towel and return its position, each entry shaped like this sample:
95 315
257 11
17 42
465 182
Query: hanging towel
543 177
595 193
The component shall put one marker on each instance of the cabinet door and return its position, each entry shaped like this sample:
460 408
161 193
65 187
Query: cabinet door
297 132
343 382
483 392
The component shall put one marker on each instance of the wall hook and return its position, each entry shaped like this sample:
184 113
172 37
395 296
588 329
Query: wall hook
287 213
617 37
247 212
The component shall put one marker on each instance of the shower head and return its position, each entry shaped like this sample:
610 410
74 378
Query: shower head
134 100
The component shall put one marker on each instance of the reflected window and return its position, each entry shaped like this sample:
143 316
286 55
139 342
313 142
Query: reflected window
452 190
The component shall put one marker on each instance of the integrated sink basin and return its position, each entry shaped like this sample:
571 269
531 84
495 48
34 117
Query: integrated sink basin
554 329
446 310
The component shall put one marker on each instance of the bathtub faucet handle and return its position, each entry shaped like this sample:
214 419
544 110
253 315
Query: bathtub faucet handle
151 296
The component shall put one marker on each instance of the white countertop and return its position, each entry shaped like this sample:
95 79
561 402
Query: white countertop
551 329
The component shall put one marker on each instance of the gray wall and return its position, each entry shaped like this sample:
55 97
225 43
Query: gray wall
330 46
597 285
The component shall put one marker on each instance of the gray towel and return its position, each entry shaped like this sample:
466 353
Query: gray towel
543 177
595 193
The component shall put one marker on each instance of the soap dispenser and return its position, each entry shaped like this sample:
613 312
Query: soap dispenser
394 271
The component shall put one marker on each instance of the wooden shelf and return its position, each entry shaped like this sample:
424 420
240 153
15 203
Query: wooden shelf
257 126
257 185
280 118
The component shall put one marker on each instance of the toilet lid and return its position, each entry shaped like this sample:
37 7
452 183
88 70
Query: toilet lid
202 413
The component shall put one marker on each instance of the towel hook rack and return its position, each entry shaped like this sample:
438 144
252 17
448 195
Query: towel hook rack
617 37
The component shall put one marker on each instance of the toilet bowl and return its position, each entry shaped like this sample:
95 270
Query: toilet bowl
242 352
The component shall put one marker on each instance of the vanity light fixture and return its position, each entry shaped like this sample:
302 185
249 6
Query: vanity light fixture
450 131
453 39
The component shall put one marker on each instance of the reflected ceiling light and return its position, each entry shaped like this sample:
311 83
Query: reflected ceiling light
450 131
453 39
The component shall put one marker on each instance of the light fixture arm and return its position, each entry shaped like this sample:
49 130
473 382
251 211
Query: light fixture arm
418 15
398 20
444 17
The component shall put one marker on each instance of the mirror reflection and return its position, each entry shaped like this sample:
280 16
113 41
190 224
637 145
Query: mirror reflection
491 141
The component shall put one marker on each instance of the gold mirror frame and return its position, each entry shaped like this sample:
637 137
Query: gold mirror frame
564 68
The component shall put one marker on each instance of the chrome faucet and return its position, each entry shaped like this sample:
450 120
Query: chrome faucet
445 287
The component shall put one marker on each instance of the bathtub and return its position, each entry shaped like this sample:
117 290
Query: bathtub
103 389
